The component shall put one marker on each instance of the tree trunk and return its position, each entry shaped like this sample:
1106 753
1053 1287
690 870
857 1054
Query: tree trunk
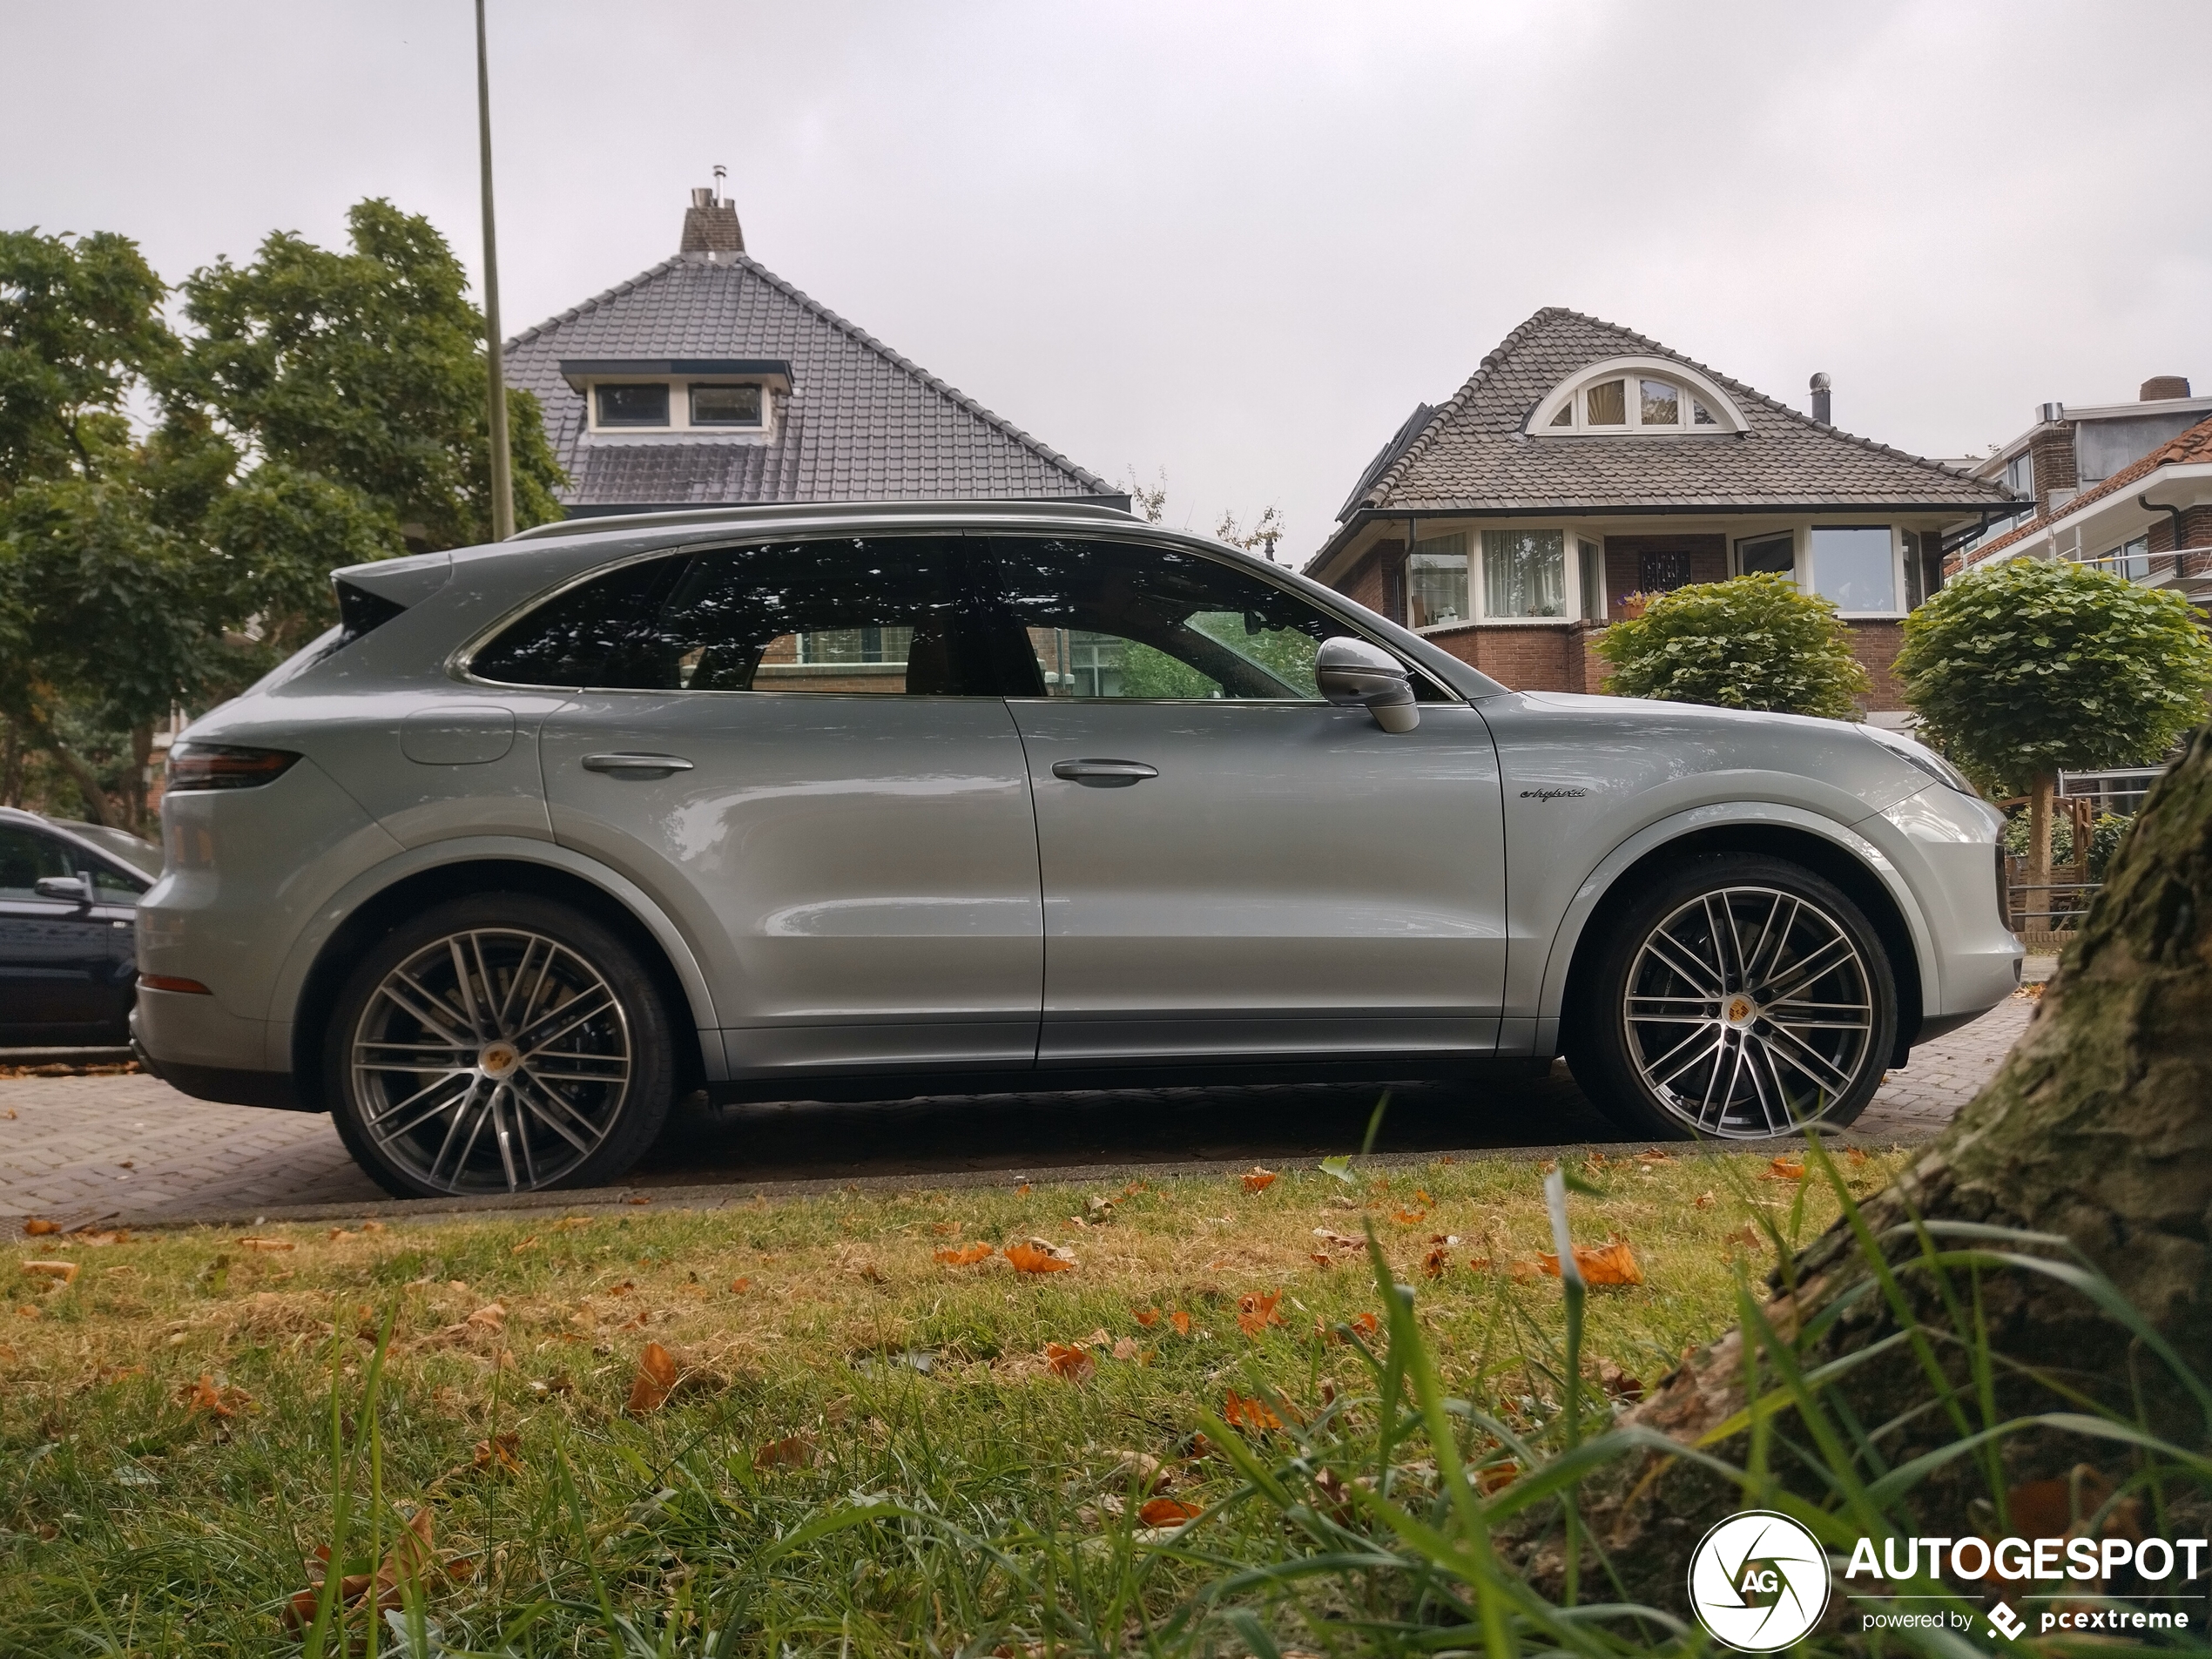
2098 1129
2038 847
141 774
11 765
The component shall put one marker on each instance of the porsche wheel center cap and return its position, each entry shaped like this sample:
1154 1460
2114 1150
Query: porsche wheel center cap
498 1059
1741 1011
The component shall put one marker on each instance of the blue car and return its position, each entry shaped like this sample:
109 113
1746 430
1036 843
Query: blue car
69 908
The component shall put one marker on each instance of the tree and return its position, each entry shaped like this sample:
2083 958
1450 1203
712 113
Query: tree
2031 665
1754 642
2035 1281
364 369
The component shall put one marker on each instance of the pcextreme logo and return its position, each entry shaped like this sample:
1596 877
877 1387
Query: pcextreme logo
1758 1582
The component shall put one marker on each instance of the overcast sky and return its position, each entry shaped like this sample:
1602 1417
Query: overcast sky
1235 242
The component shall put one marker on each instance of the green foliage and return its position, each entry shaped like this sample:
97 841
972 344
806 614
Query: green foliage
367 369
1754 642
2028 666
79 324
2106 831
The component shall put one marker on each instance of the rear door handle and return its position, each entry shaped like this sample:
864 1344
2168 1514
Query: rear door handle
1105 774
635 763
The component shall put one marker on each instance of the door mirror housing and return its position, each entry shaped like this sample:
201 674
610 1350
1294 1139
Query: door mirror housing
73 888
1354 674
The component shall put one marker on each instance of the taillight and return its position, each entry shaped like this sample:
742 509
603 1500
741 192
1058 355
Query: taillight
223 765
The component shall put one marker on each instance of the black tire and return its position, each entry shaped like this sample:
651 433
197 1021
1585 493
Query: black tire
1700 1053
534 1022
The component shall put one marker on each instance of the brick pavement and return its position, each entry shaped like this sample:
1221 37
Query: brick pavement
77 1148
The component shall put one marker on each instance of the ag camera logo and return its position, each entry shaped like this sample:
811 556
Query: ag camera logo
1758 1582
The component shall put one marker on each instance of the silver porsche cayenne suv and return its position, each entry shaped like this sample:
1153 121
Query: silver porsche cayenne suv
859 801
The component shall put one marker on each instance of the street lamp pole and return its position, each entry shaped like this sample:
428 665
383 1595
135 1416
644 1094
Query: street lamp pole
502 486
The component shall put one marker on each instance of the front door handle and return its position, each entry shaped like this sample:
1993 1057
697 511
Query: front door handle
1105 774
635 763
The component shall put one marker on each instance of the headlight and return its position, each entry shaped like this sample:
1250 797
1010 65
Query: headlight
1922 758
222 765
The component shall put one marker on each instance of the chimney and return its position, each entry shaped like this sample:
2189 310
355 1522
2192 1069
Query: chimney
1820 404
2163 386
711 224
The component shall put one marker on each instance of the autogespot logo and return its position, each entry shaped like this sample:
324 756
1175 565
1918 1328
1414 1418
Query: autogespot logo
1758 1582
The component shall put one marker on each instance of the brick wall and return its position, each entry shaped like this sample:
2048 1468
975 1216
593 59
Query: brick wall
1876 645
1364 583
1625 556
2051 448
1536 658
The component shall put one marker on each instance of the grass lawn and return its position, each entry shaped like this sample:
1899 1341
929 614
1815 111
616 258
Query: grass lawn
857 1446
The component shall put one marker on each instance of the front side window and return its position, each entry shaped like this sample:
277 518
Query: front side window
725 406
1437 581
1853 565
1105 620
644 404
25 856
1524 573
844 615
1768 556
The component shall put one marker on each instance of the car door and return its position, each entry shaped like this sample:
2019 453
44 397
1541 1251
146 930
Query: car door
65 964
1233 866
799 755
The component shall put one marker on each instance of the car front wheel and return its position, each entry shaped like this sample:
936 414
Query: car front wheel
1736 998
498 1044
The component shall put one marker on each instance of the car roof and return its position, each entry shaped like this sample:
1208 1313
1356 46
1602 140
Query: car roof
74 832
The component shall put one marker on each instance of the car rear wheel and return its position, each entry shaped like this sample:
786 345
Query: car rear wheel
1737 998
498 1044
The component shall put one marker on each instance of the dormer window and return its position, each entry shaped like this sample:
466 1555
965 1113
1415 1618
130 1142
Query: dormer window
642 404
1631 396
726 405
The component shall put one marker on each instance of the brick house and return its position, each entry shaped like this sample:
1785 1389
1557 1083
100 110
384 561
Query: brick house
1583 464
708 378
2125 486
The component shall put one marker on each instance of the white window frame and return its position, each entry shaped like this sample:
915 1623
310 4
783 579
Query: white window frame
1570 581
680 406
1728 418
1808 576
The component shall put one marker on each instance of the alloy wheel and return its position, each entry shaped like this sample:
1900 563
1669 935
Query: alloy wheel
494 1060
1748 1012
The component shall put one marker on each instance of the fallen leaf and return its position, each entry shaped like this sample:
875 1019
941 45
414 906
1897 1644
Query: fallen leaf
1181 1321
251 1243
38 1226
639 1200
411 1559
1240 1412
966 1255
945 1229
491 1317
204 1396
1148 1316
1258 1180
337 1233
528 1244
1256 1312
739 1286
1617 1382
1783 1168
1653 1155
1409 1218
1436 1262
1703 1201
2052 1509
1126 1348
65 1271
1336 1240
792 1452
656 1376
1422 1197
372 1226
499 1453
26 1313
1320 1260
1168 1512
1068 1360
1611 1264
1021 1191
1496 1477
100 1240
1098 1210
10 1114
1038 1256
1855 1156
1747 1236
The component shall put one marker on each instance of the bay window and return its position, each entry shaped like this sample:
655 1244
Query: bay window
1436 585
1524 573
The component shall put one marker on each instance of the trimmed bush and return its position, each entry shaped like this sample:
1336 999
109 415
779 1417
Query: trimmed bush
1751 643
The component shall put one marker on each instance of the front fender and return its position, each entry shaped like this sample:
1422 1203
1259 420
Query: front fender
308 948
1760 814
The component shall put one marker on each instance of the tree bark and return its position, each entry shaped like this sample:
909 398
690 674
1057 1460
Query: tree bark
2098 1129
2039 846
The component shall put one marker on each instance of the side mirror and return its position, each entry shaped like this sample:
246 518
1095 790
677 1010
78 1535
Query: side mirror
1354 674
74 888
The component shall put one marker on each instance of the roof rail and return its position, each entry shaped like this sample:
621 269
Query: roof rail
1113 509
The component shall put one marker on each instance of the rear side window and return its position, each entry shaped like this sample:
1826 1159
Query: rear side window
567 640
844 615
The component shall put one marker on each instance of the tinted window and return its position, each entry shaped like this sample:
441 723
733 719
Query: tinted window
852 615
1107 620
633 405
725 406
567 640
25 856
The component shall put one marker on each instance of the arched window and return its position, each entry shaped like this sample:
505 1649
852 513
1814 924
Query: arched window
1636 395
